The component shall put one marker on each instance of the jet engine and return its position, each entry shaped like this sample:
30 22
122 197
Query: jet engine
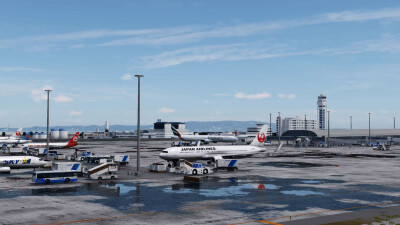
206 141
5 170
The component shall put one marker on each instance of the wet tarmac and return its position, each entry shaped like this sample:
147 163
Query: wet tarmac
122 195
263 188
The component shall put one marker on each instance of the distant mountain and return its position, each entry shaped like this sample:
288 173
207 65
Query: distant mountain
193 126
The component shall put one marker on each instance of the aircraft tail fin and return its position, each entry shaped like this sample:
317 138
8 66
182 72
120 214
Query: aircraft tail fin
261 137
17 133
27 136
176 132
73 141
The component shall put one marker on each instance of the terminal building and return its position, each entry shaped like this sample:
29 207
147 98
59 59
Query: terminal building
298 123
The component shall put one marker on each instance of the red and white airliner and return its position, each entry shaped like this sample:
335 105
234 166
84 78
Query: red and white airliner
216 152
71 143
14 136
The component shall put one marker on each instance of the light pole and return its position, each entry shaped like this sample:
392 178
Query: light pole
270 125
279 128
394 123
48 123
351 122
329 129
369 129
138 129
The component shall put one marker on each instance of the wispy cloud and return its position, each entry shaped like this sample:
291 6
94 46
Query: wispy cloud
221 94
126 76
23 69
249 29
38 94
263 95
62 98
75 113
383 111
77 39
288 96
261 50
179 35
166 110
228 52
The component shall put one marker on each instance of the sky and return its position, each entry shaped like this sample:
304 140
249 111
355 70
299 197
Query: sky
201 60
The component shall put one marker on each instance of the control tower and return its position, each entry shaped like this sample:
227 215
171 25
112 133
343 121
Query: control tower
322 111
107 128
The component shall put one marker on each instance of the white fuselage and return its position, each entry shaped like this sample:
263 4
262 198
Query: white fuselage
209 152
20 162
7 138
13 141
210 138
44 145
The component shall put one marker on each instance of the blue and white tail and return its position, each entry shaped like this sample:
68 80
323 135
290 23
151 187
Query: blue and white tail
259 140
27 137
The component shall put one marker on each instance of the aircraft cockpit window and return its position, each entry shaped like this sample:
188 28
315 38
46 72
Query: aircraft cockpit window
165 151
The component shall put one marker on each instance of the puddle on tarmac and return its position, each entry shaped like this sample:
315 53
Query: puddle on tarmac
127 196
310 181
292 164
123 189
301 193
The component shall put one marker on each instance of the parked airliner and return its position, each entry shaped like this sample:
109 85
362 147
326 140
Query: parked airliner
16 141
203 138
19 162
216 152
71 143
14 136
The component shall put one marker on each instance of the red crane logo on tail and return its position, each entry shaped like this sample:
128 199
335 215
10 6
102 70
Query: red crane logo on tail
18 133
261 137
